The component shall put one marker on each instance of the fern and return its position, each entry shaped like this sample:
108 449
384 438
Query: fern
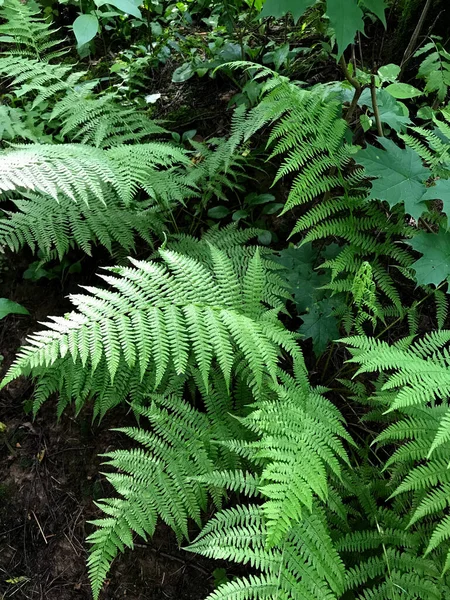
46 225
417 389
28 33
161 479
79 172
287 537
298 446
161 318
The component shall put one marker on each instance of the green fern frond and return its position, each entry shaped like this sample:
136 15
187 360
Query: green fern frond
169 315
80 172
46 225
27 31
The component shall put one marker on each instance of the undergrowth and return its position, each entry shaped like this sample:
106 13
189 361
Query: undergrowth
207 333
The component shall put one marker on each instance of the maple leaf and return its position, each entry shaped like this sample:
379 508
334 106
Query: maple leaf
320 324
399 175
377 7
303 280
278 8
440 191
346 18
389 109
434 266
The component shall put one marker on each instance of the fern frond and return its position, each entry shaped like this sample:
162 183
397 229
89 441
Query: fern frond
160 310
27 31
46 225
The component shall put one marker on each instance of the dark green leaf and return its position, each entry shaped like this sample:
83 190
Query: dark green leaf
434 266
320 324
183 73
440 191
254 199
264 238
239 214
8 307
278 8
346 18
300 274
272 209
218 212
399 175
377 7
391 111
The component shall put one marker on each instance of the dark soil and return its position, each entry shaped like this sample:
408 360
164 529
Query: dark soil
49 481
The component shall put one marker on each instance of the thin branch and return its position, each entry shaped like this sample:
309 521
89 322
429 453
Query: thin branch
413 41
355 84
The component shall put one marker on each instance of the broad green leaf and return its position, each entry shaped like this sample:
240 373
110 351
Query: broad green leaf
218 212
125 6
85 28
399 175
264 238
438 81
425 113
389 72
434 266
320 324
346 18
440 191
239 214
390 111
280 55
183 73
403 91
278 8
366 123
377 7
302 278
8 307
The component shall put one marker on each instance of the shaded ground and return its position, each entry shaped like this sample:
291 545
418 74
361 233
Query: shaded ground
49 479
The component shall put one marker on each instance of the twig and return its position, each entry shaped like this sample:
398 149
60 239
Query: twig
39 525
376 112
413 41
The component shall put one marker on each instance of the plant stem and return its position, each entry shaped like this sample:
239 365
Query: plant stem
355 84
412 43
376 112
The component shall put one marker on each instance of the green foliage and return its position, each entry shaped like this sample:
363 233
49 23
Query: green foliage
8 307
161 319
198 335
163 477
433 267
435 68
400 176
345 16
417 390
46 225
28 34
